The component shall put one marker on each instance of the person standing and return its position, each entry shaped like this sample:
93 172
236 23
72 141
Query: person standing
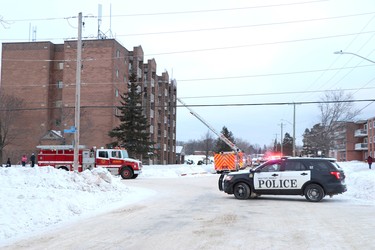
23 160
369 161
32 159
8 163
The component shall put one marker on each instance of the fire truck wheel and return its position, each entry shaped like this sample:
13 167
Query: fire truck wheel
241 191
135 176
63 168
126 173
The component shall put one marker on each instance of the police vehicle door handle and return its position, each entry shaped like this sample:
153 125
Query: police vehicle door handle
304 174
275 175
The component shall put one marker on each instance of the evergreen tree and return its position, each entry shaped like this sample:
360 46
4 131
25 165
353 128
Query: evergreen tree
132 133
287 144
221 146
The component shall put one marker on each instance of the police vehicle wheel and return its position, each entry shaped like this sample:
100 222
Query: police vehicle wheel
314 192
126 173
241 191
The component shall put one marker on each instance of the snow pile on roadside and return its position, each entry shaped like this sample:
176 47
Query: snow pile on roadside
360 181
34 198
173 171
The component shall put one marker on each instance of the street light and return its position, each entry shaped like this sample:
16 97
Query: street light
350 53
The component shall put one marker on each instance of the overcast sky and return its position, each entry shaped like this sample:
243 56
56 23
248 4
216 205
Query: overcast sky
264 55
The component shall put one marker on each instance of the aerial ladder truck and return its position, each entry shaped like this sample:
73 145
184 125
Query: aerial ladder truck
223 161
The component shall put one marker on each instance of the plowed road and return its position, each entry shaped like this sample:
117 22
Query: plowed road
191 213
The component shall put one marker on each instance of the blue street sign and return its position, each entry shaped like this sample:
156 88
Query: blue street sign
72 130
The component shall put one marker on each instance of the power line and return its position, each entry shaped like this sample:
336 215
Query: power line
271 74
247 26
204 49
274 93
205 79
261 44
219 10
175 12
203 105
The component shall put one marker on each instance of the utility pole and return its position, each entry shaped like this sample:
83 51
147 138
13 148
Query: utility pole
78 93
294 129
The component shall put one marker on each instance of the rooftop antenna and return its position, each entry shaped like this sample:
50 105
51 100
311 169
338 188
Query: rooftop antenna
34 34
101 34
110 21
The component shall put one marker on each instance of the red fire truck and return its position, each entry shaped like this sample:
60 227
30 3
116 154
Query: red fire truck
116 160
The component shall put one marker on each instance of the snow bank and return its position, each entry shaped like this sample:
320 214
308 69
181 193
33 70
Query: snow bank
36 199
360 182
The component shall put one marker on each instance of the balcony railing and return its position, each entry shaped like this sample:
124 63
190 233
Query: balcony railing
360 133
361 146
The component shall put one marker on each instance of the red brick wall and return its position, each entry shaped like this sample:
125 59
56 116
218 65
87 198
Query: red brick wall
26 75
31 71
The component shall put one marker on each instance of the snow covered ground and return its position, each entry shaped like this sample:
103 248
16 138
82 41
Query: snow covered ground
38 199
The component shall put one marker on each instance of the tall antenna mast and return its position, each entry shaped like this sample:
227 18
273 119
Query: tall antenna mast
100 33
110 21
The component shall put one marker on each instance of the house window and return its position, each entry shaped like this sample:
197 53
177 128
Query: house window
60 84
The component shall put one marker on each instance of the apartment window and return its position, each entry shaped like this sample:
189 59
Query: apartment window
58 104
60 84
116 93
57 122
117 72
117 53
60 65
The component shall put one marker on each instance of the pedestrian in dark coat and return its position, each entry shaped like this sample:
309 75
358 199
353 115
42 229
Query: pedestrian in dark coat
8 163
32 159
369 161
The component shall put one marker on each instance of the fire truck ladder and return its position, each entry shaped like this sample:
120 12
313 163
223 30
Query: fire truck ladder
220 135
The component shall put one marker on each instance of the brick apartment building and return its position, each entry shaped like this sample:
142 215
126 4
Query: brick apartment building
355 141
43 75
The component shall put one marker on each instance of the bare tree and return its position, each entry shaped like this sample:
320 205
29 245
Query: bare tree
208 144
336 108
243 145
9 105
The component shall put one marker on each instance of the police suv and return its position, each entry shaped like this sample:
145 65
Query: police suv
312 177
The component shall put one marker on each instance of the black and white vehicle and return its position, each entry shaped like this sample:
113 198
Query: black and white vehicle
312 177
